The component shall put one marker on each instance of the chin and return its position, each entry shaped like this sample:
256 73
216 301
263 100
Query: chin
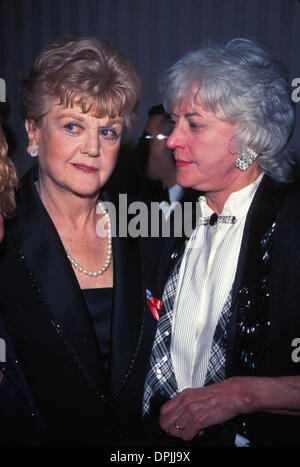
183 182
86 193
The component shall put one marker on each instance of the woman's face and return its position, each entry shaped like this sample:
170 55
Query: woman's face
77 151
204 151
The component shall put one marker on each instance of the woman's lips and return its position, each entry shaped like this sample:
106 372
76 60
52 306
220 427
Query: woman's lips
85 168
181 163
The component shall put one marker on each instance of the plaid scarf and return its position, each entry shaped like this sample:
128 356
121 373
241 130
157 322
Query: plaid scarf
160 384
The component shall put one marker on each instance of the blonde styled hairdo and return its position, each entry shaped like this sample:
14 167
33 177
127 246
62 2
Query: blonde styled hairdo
8 180
85 72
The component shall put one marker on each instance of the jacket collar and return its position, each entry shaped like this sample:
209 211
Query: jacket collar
52 274
262 212
128 305
261 215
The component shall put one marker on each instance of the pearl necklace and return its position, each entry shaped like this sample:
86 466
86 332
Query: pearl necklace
109 255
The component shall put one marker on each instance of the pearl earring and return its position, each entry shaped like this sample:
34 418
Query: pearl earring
244 160
34 151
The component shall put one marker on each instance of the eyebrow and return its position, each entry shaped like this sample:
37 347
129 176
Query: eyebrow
80 119
193 114
188 115
115 121
71 117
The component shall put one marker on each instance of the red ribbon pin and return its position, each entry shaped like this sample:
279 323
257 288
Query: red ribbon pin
154 304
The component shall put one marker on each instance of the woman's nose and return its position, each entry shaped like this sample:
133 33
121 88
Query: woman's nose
91 144
175 138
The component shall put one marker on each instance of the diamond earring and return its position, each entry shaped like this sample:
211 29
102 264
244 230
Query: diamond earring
34 151
244 161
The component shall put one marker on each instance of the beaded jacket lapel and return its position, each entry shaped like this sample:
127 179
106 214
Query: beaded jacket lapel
42 253
128 309
251 268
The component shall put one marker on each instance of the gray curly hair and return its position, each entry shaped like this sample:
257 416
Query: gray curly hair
240 83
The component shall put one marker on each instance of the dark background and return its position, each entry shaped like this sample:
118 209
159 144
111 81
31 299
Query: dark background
152 33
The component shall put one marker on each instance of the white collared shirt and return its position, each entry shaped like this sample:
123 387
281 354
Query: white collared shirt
205 280
175 195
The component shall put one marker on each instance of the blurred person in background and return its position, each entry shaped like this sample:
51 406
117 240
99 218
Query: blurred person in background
158 164
16 401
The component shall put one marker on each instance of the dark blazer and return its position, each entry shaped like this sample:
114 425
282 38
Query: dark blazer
277 307
16 402
54 338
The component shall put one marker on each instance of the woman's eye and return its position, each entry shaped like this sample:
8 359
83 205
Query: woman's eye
72 127
195 126
109 135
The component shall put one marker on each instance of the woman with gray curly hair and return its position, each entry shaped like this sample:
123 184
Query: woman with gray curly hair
230 362
71 296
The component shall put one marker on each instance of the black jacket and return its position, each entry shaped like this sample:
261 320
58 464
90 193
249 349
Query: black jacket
276 310
53 336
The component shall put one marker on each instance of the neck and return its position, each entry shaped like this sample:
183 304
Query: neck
67 208
216 200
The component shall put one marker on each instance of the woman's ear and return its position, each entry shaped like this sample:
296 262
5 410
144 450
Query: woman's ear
30 129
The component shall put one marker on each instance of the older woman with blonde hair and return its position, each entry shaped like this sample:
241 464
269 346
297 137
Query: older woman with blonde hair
72 300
